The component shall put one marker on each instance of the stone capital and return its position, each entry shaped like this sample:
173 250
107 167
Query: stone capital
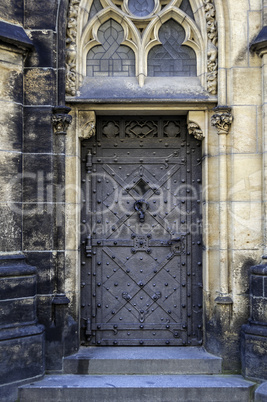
61 119
222 119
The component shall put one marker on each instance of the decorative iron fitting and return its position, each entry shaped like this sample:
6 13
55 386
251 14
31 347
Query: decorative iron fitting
61 119
222 119
195 130
89 246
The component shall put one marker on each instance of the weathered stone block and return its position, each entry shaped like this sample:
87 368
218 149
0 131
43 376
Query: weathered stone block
11 82
15 311
22 354
45 273
37 130
247 84
39 86
44 54
258 309
246 177
253 351
11 10
17 286
10 176
44 309
11 126
38 16
38 226
246 225
10 227
244 129
37 178
257 285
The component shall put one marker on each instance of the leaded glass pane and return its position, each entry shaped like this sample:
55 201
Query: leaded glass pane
171 59
95 8
186 7
111 59
141 8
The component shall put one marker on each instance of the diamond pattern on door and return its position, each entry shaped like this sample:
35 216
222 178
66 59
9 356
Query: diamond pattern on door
142 279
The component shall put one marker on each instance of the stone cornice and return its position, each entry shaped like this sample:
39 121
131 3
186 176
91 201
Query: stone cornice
14 35
259 44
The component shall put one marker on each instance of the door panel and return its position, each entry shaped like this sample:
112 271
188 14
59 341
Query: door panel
142 235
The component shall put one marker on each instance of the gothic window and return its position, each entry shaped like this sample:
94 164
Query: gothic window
141 8
171 59
141 38
111 59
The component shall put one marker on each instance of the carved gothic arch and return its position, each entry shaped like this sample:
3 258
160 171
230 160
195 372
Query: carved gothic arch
192 39
89 37
201 36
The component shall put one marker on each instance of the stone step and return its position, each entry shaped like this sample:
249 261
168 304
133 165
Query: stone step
136 388
144 360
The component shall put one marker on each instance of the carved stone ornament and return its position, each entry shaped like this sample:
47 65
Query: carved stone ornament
195 130
222 119
71 47
87 124
61 119
212 62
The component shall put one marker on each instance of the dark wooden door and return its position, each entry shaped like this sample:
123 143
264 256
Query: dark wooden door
141 226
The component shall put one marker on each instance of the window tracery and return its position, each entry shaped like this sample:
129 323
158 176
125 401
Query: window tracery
171 59
111 59
138 34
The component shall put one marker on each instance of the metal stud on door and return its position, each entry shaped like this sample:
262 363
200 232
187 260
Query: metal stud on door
142 279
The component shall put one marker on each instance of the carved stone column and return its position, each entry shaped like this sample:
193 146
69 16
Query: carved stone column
222 120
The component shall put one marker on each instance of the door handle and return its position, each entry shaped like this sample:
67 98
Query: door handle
138 206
